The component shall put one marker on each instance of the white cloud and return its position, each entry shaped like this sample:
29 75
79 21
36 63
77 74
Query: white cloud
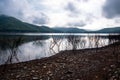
60 13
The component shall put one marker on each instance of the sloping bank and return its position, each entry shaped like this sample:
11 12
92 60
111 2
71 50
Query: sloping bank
87 64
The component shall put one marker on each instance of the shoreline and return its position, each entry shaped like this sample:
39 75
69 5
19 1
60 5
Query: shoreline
86 64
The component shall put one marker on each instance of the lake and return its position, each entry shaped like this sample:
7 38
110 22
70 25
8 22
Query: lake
19 47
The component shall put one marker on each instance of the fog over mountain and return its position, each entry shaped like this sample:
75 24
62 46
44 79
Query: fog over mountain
85 14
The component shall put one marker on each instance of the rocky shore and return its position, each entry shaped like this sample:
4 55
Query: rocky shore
88 64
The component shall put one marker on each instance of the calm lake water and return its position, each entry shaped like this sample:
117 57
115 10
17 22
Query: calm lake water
24 47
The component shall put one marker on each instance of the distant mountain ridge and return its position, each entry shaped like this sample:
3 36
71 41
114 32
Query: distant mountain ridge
11 24
109 30
76 30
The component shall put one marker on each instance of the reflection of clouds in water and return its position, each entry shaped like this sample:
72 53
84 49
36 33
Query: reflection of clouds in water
91 40
3 57
6 56
31 51
34 50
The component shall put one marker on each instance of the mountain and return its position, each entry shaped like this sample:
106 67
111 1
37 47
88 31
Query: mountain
11 24
109 30
76 30
70 30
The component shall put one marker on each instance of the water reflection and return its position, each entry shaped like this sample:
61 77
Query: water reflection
24 48
10 46
76 42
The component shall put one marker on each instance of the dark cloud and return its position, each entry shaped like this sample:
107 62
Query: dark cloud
111 8
72 10
2 6
77 24
12 8
71 7
41 20
20 9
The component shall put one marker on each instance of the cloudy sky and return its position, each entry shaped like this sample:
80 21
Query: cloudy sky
87 14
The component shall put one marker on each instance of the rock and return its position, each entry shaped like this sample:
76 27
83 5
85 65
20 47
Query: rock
69 72
17 76
33 71
62 78
96 76
116 72
44 66
11 74
104 69
113 76
25 67
26 75
109 70
35 78
48 78
112 66
49 72
86 60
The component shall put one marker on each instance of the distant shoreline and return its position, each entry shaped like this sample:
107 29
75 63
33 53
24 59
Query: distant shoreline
37 34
